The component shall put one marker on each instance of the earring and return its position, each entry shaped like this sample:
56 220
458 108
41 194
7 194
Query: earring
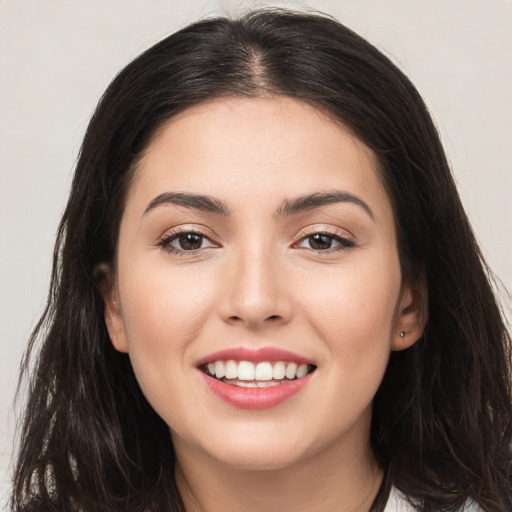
402 335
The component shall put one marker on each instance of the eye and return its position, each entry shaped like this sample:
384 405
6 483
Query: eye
185 241
324 242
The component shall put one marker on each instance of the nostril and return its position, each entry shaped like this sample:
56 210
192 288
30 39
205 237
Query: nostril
263 320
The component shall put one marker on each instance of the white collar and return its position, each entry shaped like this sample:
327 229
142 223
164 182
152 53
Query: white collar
397 502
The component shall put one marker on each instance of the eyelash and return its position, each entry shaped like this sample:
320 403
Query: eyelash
166 241
344 242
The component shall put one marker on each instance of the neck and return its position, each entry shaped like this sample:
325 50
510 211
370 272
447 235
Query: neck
342 478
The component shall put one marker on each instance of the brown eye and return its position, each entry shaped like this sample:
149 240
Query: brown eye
325 242
185 242
188 241
320 241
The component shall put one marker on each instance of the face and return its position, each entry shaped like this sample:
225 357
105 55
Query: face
257 288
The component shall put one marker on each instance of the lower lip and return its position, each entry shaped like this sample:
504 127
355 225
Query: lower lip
255 398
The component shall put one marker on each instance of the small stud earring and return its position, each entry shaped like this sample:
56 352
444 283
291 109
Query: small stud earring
402 334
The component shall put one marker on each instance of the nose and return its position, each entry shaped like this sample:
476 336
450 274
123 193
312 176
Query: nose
256 291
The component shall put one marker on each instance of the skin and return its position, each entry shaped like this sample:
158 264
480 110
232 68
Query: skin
257 280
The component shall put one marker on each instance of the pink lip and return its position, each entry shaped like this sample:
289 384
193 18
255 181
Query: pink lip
254 355
255 398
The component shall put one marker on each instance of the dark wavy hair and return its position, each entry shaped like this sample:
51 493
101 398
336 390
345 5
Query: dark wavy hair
441 425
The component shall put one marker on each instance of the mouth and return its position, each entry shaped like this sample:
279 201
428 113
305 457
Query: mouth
256 379
262 378
263 374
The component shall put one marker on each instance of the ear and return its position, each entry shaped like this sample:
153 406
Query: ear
410 319
112 312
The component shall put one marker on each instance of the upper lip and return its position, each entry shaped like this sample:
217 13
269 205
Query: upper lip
254 355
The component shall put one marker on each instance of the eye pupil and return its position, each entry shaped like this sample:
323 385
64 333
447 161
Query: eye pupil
320 241
190 241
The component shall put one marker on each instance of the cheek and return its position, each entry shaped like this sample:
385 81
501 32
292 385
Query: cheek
163 311
362 296
353 311
168 303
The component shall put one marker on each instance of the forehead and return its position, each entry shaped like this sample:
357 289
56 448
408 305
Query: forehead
248 151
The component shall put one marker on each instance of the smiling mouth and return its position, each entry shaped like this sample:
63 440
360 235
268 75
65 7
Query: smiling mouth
264 374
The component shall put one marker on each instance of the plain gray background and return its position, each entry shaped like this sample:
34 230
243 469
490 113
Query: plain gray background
57 57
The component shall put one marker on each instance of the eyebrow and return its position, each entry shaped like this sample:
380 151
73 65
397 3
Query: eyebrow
288 207
196 201
318 199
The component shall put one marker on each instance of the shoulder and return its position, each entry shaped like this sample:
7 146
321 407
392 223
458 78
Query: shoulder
398 502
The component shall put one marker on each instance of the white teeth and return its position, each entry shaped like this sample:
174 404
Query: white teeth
263 373
245 370
231 370
279 370
256 384
266 384
302 370
291 370
219 369
251 384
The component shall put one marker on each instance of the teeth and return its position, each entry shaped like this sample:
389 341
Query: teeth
231 370
302 370
245 370
253 384
262 374
266 384
279 370
291 371
220 369
264 371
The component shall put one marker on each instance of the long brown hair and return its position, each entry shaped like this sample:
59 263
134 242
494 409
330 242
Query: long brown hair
442 415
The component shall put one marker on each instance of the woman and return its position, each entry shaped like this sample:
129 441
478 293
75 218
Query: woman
266 294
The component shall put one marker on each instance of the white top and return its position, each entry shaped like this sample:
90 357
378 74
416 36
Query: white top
398 503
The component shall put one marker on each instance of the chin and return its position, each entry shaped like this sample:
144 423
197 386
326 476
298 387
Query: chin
265 448
260 459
